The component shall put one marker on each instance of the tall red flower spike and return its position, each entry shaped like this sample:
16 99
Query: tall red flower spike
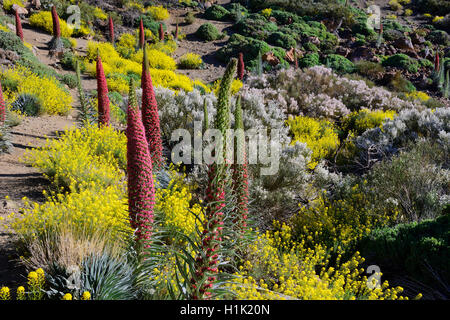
150 116
161 32
111 30
56 27
2 107
176 31
141 34
19 31
102 91
241 66
240 172
436 62
141 190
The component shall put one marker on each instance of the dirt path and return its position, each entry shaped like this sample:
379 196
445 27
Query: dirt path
18 180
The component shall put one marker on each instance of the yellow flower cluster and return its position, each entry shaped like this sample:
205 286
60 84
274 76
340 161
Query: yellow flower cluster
319 135
174 204
329 222
43 20
418 95
7 4
279 268
364 119
158 13
266 12
36 284
113 62
93 210
55 100
100 14
236 85
67 296
437 19
80 157
190 61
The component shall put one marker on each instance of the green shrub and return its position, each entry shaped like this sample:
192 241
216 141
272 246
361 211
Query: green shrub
339 63
151 24
208 32
28 104
439 37
371 70
310 47
280 39
401 84
190 18
419 249
250 47
402 61
255 28
284 16
70 80
216 12
5 140
309 60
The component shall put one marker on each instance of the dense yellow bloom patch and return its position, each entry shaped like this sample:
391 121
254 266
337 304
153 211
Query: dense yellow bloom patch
362 120
113 62
319 135
43 20
340 221
55 100
190 61
174 204
7 4
158 13
100 14
156 59
236 85
84 156
418 95
280 268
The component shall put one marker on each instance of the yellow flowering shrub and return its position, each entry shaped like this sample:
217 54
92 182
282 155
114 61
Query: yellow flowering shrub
236 85
93 210
266 12
55 100
168 47
418 95
277 267
437 19
156 59
202 85
67 296
175 205
328 222
319 135
4 293
364 119
100 14
7 4
43 20
4 28
158 13
80 157
190 61
114 63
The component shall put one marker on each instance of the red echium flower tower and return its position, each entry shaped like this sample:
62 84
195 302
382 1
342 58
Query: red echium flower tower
141 34
19 31
102 91
241 66
207 260
111 30
141 190
56 27
176 31
2 107
436 62
161 32
240 172
150 116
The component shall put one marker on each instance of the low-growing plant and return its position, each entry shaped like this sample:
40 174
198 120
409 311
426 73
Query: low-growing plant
190 61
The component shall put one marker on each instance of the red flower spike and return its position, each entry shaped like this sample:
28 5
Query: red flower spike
241 66
141 191
150 116
102 91
56 27
161 32
141 34
19 31
111 30
2 107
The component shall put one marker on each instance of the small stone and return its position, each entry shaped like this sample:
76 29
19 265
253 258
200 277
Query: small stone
19 9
